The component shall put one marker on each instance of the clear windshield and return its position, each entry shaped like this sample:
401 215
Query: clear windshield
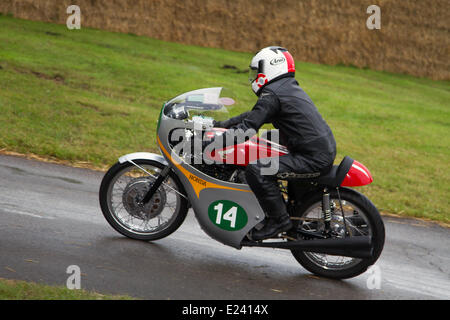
208 104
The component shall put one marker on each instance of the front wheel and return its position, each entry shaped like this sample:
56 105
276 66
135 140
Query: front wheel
123 188
361 219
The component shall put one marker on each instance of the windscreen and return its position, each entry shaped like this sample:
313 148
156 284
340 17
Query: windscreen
205 103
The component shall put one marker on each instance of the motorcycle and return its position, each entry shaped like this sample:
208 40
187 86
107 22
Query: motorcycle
338 232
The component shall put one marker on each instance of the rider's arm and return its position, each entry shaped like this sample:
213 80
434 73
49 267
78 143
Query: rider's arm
264 111
231 122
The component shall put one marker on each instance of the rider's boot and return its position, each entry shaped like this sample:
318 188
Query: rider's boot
273 226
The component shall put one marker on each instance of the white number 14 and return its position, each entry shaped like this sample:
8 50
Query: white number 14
230 215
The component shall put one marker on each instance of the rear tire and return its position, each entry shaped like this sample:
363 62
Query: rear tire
144 216
371 222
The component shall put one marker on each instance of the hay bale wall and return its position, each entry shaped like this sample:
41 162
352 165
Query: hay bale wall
414 37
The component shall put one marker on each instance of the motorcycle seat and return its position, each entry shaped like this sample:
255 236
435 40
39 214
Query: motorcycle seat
337 174
332 178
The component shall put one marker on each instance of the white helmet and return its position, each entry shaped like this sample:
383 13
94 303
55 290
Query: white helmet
269 64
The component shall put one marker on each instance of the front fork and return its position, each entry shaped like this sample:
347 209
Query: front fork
155 185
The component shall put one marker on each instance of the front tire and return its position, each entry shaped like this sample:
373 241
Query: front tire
121 190
361 217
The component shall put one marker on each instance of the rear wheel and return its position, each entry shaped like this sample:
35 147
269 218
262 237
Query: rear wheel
122 189
361 219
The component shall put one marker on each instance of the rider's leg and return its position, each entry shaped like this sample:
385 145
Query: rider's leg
266 189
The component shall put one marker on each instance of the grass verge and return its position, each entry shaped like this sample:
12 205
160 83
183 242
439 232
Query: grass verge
22 290
89 96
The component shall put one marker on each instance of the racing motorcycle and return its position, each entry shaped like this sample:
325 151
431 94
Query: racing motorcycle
338 232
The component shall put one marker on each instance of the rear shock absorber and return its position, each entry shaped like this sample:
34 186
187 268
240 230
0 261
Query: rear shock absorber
326 210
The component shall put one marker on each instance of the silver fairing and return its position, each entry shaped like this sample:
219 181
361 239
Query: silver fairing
209 196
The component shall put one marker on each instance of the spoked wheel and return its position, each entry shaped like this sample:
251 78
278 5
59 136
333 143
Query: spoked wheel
121 193
361 219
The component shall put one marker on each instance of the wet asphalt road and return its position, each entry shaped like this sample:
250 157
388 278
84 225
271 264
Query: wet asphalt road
50 219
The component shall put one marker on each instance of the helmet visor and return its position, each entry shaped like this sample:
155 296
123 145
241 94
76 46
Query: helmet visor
252 74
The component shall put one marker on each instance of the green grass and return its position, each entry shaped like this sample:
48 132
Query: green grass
21 290
90 95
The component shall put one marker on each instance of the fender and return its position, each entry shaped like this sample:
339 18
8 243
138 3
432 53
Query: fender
154 157
358 175
143 155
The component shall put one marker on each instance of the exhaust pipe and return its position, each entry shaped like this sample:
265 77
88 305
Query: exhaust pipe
354 247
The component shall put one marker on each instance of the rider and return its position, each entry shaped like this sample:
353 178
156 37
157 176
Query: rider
311 145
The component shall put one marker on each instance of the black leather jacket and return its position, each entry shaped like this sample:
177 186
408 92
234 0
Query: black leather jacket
302 129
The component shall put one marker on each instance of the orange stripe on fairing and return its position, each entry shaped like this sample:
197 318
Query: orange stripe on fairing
197 183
